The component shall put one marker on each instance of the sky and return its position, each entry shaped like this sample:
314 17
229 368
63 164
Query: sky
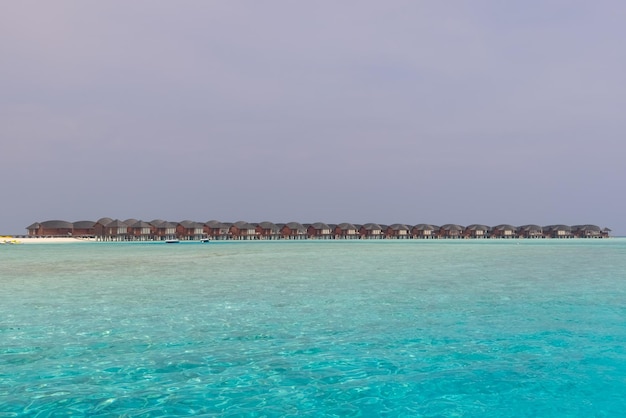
362 111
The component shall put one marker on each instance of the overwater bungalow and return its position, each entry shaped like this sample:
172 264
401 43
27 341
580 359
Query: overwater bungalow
116 231
267 230
587 231
558 231
190 230
216 230
371 231
452 231
346 231
476 231
158 229
398 231
163 230
293 230
319 230
530 231
242 230
99 227
141 231
424 231
503 231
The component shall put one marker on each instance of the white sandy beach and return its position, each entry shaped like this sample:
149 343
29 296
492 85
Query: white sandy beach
7 239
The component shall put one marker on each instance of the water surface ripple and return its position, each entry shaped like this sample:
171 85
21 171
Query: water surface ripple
416 328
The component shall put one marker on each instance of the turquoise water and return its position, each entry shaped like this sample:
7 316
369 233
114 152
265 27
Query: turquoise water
391 328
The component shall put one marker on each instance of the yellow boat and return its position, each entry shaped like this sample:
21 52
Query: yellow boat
7 239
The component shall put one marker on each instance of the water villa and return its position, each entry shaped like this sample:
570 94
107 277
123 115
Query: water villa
107 229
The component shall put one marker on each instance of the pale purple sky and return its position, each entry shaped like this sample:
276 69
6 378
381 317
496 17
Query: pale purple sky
334 111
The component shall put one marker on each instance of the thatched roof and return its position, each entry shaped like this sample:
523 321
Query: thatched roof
505 227
452 227
531 228
268 225
477 227
191 224
244 225
320 225
161 224
592 228
425 227
566 228
116 223
216 224
140 224
83 224
295 226
56 224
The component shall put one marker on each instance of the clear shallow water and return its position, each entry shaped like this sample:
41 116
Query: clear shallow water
443 328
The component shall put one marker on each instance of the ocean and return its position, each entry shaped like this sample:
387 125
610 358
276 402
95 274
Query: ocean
314 328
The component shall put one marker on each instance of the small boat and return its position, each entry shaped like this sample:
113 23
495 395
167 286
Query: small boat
172 241
205 240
